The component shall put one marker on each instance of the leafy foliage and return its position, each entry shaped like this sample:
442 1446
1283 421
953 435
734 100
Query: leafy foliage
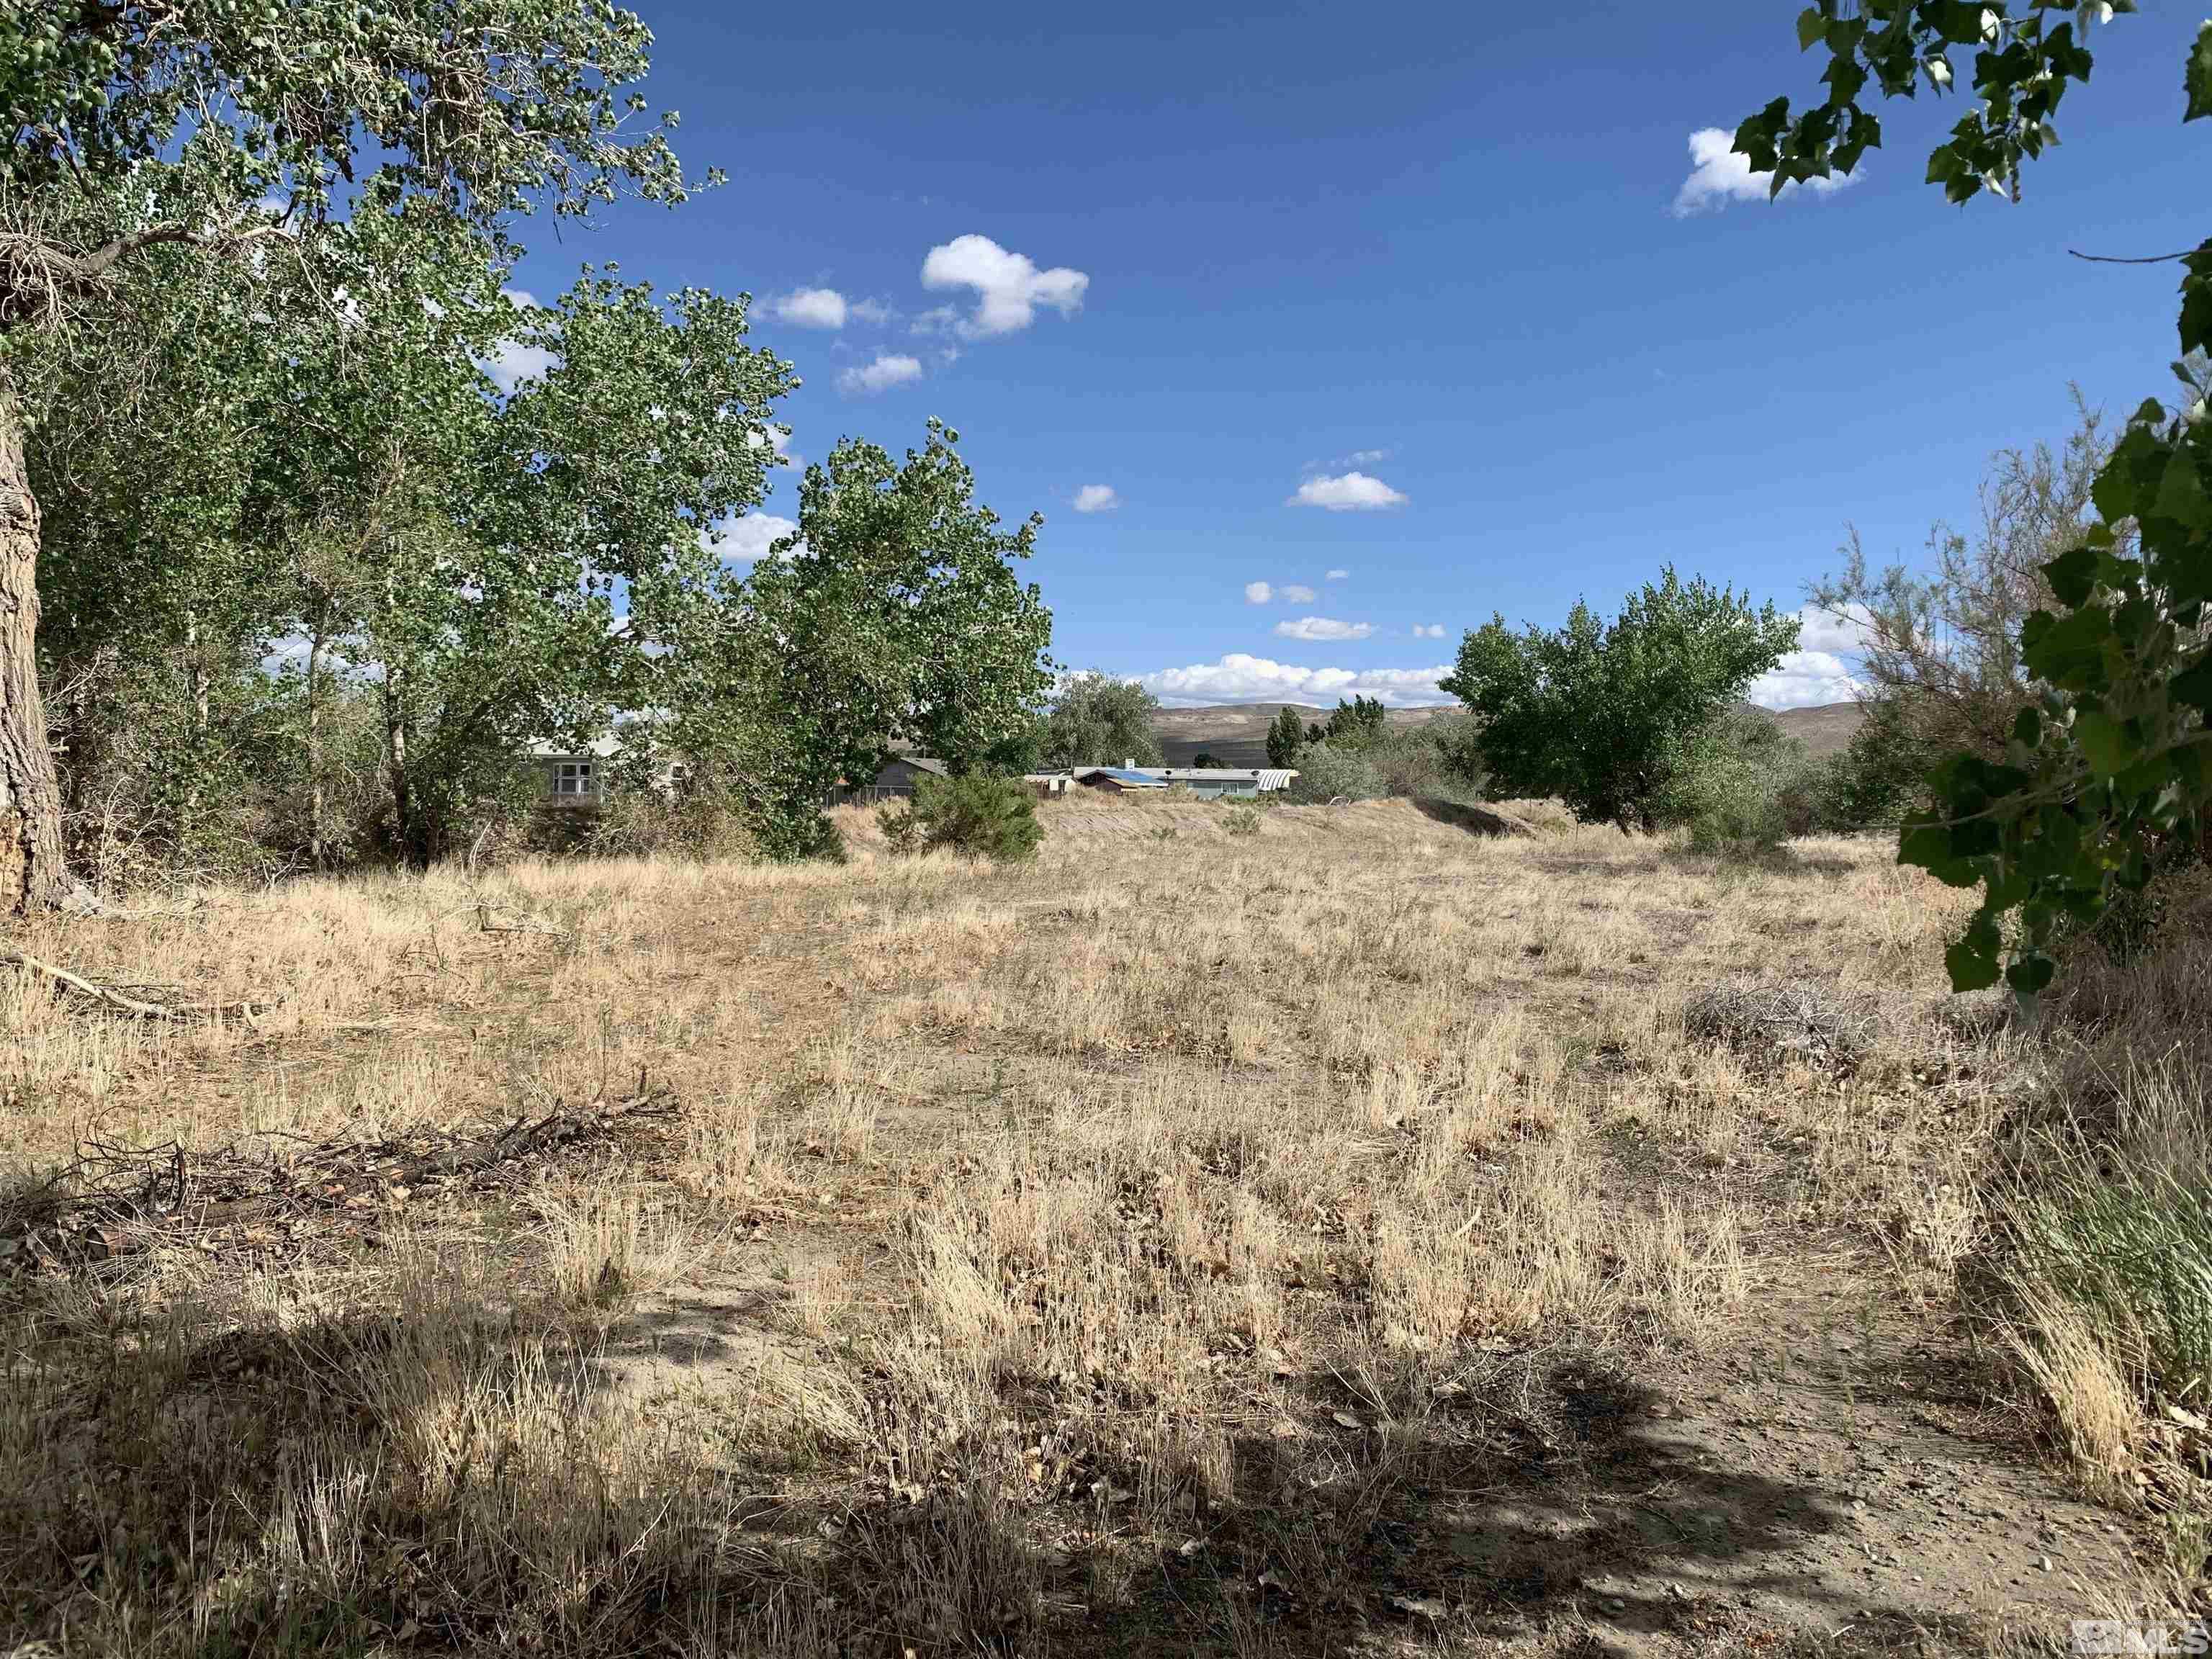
2106 773
1741 783
1356 724
1098 718
1594 712
987 817
1286 735
895 618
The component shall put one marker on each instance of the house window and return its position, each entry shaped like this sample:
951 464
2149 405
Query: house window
572 778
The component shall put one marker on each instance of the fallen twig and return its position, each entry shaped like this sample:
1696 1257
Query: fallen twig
109 996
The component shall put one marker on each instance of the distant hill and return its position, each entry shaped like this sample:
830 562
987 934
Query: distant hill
1826 730
1236 733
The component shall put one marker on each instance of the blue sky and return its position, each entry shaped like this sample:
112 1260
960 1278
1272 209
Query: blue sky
1411 293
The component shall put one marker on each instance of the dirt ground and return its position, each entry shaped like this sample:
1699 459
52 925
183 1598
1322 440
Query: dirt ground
1363 1235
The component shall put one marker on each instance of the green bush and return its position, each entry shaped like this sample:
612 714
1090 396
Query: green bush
987 817
1243 819
1741 783
1327 773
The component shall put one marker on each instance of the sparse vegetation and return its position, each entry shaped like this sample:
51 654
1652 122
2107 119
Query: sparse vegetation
1049 1226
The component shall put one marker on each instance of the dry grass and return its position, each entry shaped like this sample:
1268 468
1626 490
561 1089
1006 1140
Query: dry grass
1174 1195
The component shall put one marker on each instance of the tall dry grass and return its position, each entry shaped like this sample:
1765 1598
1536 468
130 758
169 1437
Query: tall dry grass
1049 1221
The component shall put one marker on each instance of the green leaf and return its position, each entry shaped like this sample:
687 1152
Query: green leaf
2196 76
1973 961
2073 576
2028 729
2104 742
1811 26
2181 495
2031 975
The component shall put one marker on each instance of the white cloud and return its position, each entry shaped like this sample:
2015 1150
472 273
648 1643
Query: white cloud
1367 457
1297 593
1718 176
888 370
1009 288
1805 679
515 361
1844 634
743 540
1336 576
1259 593
1323 628
1428 630
776 438
872 311
1354 492
812 307
1095 498
1238 677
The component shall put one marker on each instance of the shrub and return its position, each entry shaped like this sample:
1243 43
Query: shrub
988 818
1741 783
1243 819
1326 773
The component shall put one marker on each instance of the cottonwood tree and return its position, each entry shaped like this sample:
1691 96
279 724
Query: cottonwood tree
1596 712
895 618
135 127
1286 735
501 564
2111 769
1098 719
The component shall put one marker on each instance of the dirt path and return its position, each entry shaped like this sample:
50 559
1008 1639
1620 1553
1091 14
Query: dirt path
1834 1477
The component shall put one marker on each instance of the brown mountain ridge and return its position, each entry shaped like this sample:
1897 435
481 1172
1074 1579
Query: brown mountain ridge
1235 734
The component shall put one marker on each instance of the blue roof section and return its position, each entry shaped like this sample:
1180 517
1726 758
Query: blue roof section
1120 774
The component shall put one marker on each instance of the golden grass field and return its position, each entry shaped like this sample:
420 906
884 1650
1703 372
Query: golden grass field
1360 1235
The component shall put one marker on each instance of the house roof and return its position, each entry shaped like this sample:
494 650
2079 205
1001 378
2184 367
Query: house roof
924 763
1125 776
598 749
1203 774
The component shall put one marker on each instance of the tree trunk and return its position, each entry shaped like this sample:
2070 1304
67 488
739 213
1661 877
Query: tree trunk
315 746
395 741
31 871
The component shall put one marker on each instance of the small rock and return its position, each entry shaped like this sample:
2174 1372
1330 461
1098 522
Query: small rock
1345 1420
1190 1547
2046 1564
1614 1604
1427 1607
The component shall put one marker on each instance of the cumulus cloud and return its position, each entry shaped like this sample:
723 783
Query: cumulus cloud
744 539
1718 176
1095 498
1008 286
888 370
1239 678
1805 679
1323 628
1297 593
870 310
1259 593
1336 576
1428 630
1844 633
513 361
1350 492
812 307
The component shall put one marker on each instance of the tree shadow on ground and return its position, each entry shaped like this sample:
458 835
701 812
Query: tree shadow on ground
1475 820
1589 1524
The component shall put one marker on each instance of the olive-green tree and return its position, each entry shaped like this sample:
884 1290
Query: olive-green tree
1596 712
895 618
1286 736
1098 719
